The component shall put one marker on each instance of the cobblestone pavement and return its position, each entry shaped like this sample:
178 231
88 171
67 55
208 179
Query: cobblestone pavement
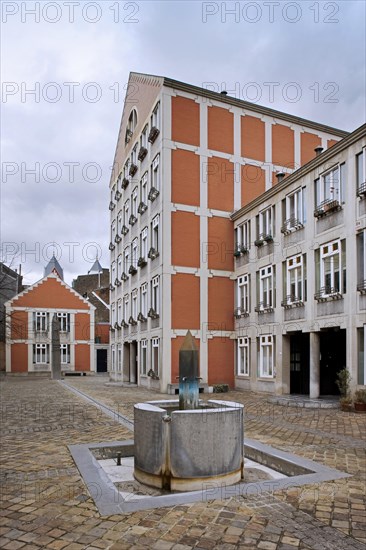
44 502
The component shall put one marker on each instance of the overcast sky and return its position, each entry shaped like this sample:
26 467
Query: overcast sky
77 57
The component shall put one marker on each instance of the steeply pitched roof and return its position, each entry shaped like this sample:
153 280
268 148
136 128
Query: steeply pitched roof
54 267
96 267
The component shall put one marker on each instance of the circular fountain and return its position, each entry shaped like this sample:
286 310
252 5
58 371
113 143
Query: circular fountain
180 445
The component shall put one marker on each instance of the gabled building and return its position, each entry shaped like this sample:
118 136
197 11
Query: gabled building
186 159
300 271
29 331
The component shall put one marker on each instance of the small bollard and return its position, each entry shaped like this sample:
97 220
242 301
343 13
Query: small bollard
119 456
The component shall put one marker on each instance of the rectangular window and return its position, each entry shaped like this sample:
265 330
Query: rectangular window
155 294
113 314
155 355
134 252
64 321
144 299
134 303
40 321
134 202
119 359
119 311
361 171
143 138
243 294
266 355
126 212
143 185
113 273
361 260
143 360
243 357
266 288
113 361
126 259
155 233
119 223
134 154
144 244
265 224
155 174
294 215
65 354
295 280
119 266
126 312
126 170
155 117
243 236
332 269
330 186
113 231
41 354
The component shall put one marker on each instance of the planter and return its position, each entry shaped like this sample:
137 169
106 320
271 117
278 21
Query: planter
360 407
346 407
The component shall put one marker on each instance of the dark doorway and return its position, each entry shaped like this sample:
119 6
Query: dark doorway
332 359
299 364
102 360
133 362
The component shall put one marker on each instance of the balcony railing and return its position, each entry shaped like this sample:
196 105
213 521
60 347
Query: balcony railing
361 191
263 238
132 270
154 132
118 195
327 207
153 253
112 246
153 314
240 312
132 219
111 205
240 249
292 224
125 183
141 317
142 154
262 307
133 169
292 301
327 292
117 238
153 194
141 262
142 208
361 287
124 276
124 230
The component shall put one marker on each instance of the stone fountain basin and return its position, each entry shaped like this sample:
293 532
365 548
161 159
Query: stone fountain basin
180 450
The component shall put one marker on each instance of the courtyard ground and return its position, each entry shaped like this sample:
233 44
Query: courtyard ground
44 502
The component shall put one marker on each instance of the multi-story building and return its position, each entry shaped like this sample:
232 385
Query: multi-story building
186 158
300 258
29 331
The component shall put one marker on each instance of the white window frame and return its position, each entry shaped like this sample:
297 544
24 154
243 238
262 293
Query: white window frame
126 212
126 308
266 222
41 323
243 350
119 266
134 204
119 223
243 235
155 344
295 266
266 356
132 120
119 311
126 259
119 359
143 186
134 303
144 299
155 116
41 355
243 293
113 358
134 252
155 173
266 286
113 231
134 154
113 314
113 273
361 177
330 189
328 256
126 170
144 243
64 319
295 203
155 294
155 233
65 354
143 137
143 356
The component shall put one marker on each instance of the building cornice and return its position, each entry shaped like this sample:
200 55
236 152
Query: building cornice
217 96
301 172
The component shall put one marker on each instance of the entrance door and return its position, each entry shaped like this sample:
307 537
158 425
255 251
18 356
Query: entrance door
332 359
133 362
299 364
102 360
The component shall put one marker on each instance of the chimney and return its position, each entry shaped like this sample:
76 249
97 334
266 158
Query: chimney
280 176
318 150
224 92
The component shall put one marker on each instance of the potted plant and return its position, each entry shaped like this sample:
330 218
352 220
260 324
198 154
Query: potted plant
359 401
343 383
